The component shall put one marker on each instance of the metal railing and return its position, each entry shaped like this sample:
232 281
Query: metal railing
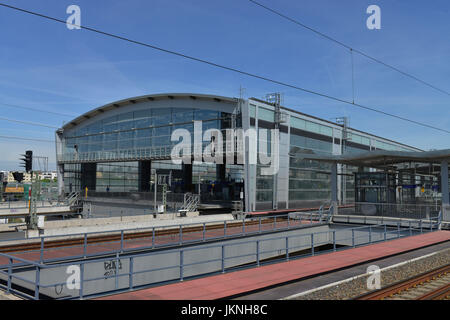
153 240
190 202
393 210
373 234
129 154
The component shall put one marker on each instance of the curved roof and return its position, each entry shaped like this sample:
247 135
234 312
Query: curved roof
150 97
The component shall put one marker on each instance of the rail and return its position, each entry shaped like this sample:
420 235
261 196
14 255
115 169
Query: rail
281 254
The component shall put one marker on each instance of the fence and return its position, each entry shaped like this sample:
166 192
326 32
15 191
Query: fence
124 278
393 210
158 237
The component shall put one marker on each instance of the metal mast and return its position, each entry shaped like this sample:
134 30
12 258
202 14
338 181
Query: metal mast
344 121
275 99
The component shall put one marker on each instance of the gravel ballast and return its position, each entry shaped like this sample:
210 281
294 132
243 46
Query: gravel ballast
357 286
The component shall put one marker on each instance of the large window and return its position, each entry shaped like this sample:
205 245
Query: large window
118 176
138 129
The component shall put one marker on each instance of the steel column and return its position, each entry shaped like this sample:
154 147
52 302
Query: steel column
130 278
287 248
81 279
37 283
353 238
42 250
257 253
334 240
223 259
85 245
9 275
444 183
181 265
121 241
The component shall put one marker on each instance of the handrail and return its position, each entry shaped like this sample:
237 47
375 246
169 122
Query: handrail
381 235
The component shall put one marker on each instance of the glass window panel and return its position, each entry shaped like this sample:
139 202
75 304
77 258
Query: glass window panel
126 140
265 114
205 114
252 110
182 115
110 124
125 121
313 127
143 118
96 143
110 142
94 128
327 131
298 123
162 119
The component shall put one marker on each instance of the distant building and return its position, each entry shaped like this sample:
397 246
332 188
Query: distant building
26 177
49 175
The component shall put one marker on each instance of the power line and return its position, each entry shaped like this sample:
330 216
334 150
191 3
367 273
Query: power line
225 68
350 48
30 139
28 123
37 110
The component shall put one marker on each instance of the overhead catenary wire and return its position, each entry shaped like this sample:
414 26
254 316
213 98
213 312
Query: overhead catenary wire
28 123
224 67
350 48
23 138
35 109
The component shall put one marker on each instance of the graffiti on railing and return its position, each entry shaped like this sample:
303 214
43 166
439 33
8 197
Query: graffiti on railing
111 266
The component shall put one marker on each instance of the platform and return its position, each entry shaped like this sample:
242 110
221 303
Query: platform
244 281
147 240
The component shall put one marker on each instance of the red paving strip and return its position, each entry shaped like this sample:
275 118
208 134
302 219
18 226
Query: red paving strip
62 252
238 282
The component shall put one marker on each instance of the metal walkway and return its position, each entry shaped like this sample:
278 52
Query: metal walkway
239 282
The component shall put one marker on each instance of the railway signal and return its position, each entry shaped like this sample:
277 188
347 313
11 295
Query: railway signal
28 160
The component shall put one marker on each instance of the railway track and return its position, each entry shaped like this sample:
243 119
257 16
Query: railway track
128 236
433 285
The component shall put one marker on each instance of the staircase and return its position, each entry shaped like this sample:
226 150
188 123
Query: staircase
190 202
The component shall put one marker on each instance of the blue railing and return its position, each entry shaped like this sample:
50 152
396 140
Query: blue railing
373 234
229 230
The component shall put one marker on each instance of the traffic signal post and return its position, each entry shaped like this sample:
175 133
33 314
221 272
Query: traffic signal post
35 191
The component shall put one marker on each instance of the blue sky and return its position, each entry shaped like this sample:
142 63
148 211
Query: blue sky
46 66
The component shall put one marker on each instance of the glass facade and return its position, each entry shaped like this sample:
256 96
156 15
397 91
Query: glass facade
129 131
117 176
139 129
126 136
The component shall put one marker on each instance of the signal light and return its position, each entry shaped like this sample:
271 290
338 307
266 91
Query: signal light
28 160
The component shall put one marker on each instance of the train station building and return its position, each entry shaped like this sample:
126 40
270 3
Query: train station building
118 147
